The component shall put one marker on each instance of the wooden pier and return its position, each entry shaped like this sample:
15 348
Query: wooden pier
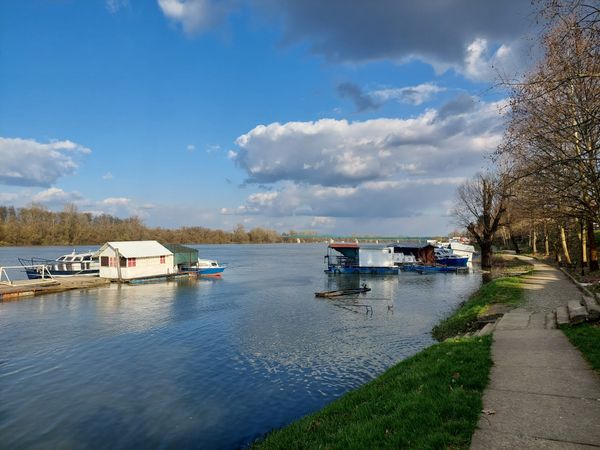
27 288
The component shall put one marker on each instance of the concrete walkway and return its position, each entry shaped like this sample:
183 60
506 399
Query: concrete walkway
542 393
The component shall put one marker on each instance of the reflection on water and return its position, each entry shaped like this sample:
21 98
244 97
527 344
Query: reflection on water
212 363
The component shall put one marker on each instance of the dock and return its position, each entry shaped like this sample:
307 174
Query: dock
28 288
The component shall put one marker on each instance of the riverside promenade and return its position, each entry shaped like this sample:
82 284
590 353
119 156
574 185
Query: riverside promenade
542 393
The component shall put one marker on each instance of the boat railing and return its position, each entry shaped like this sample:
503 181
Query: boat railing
344 261
42 269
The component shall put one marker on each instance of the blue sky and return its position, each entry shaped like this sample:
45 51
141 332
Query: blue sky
338 116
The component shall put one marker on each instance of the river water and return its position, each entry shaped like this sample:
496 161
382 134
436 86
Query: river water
204 363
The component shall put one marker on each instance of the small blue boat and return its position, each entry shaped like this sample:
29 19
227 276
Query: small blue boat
447 257
209 268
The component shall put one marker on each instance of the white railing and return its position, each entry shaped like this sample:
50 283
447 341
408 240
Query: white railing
42 269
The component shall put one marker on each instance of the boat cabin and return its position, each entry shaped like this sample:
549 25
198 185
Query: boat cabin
351 258
413 253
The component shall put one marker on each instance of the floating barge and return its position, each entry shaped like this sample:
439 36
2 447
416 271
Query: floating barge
348 258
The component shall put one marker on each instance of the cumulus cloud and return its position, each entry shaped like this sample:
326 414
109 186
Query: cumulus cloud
107 176
405 198
56 196
26 162
332 152
441 33
195 15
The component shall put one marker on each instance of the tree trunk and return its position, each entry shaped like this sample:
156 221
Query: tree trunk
486 254
534 240
546 241
593 251
583 249
563 242
584 252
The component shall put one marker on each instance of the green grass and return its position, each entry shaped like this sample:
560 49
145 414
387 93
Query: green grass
431 400
586 338
501 290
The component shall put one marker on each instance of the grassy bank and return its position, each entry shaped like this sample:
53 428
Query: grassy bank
586 338
502 290
431 400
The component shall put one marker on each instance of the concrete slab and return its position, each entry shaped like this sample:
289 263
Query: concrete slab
531 339
514 320
537 321
562 382
549 417
495 440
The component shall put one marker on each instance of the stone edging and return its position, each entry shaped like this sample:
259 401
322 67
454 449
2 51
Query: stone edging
579 286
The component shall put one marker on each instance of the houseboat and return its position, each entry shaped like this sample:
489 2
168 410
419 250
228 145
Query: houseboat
135 260
350 258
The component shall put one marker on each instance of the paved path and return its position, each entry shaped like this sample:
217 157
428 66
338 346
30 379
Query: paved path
542 393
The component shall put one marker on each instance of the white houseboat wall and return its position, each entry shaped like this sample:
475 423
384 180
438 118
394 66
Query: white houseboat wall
131 260
381 257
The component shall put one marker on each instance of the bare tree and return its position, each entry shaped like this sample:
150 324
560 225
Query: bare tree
480 208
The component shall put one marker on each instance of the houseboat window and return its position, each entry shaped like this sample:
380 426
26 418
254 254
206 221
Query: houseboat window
162 259
131 262
104 261
123 262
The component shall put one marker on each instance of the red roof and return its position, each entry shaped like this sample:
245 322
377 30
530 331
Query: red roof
343 245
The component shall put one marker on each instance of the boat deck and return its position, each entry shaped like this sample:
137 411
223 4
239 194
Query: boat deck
28 288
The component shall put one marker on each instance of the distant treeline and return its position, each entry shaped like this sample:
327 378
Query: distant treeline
35 225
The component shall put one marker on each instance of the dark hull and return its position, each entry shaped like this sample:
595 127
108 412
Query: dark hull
34 274
342 292
362 270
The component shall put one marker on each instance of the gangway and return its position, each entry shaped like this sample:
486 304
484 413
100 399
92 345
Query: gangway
46 276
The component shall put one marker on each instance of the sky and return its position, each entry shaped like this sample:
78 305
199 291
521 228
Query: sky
337 116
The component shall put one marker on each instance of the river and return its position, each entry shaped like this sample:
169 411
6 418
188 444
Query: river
209 363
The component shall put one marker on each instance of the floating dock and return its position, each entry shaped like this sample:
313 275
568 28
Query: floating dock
28 288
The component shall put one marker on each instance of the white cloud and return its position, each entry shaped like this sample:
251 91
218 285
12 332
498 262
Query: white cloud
406 198
107 176
414 95
116 201
191 148
332 152
26 162
195 15
115 6
212 148
56 196
482 64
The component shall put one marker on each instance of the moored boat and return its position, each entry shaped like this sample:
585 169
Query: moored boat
206 268
73 264
210 268
447 257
